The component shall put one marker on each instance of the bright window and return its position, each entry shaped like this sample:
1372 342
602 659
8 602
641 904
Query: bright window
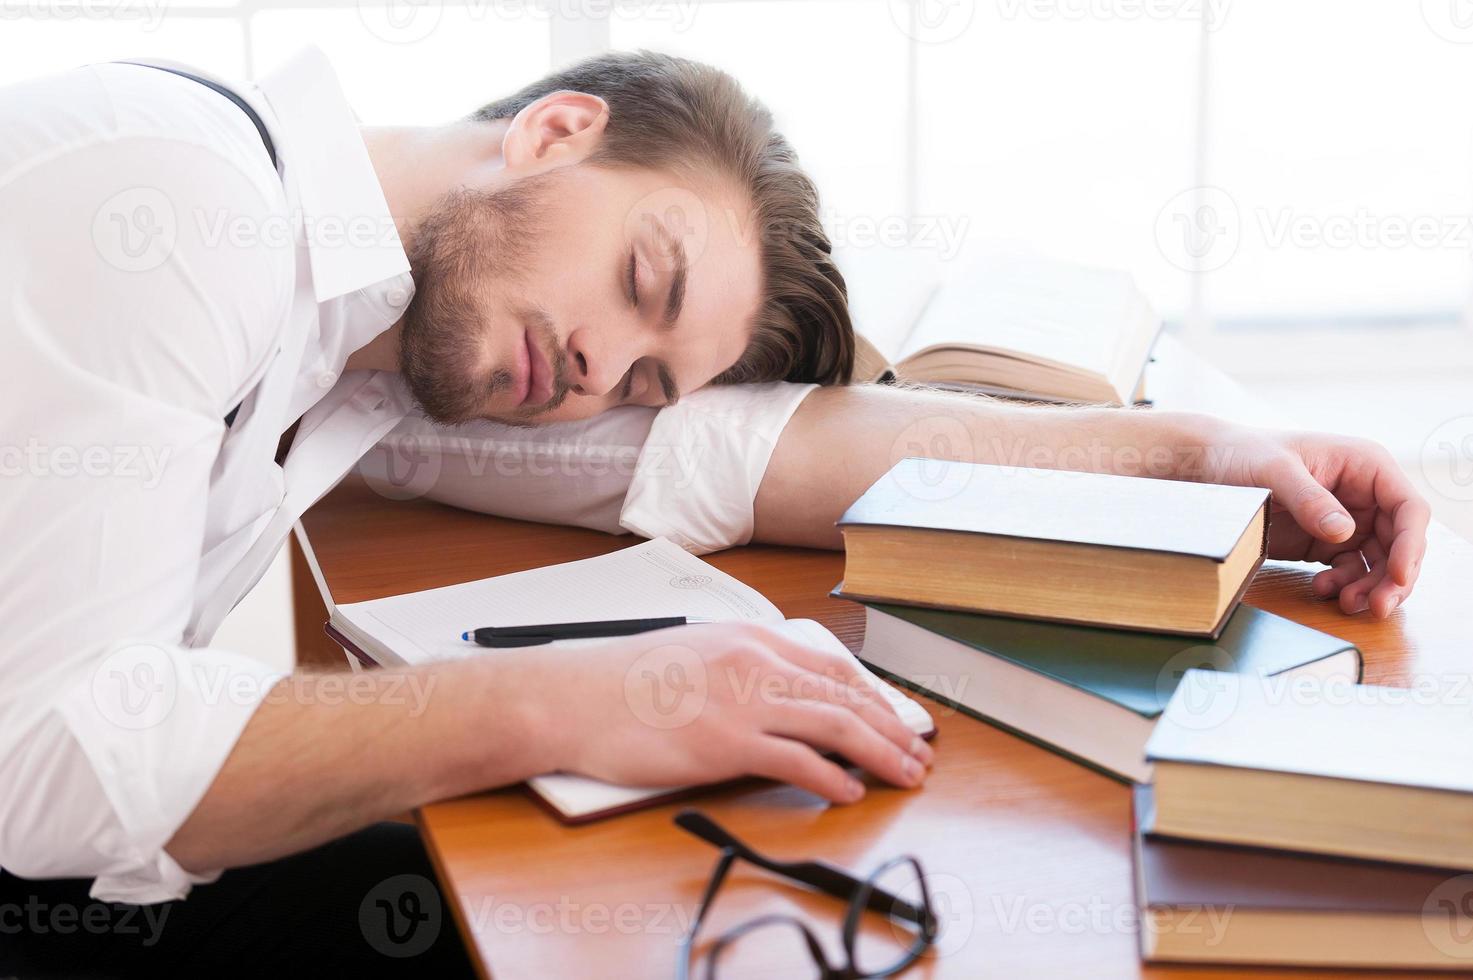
1242 158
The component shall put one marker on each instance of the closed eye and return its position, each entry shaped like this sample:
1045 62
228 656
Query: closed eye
631 282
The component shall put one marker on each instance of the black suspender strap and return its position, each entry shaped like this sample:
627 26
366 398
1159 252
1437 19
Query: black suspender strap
240 103
251 114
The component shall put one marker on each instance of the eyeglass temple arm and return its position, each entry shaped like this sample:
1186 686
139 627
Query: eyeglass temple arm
712 884
816 874
687 942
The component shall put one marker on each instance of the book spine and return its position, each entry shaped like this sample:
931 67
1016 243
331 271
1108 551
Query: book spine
349 647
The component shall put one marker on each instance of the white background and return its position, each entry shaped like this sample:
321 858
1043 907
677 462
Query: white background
1066 126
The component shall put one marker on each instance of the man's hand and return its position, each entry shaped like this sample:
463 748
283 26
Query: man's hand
842 439
699 704
1338 501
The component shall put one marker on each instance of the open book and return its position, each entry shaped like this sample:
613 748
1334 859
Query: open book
1022 327
656 578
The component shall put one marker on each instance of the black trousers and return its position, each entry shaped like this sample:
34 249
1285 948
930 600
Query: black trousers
363 906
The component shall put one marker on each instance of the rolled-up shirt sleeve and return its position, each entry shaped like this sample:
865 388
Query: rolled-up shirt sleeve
125 751
689 472
703 462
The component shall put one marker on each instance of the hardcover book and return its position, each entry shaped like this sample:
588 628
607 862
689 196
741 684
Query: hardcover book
1092 694
1118 551
1372 772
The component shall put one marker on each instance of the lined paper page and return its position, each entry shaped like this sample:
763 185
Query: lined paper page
656 578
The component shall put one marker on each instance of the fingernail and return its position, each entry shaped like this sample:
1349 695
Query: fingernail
921 750
854 790
1335 523
913 770
1391 606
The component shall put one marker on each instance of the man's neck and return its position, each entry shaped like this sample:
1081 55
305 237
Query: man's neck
416 167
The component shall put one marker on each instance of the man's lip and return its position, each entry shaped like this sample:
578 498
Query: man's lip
523 372
539 374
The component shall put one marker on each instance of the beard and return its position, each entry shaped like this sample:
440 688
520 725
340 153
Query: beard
471 246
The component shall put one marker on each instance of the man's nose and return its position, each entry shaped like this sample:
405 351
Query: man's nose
599 359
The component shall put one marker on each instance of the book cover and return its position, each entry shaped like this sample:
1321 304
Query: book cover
1371 734
1135 670
1170 516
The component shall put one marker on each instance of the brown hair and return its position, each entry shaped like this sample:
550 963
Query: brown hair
667 112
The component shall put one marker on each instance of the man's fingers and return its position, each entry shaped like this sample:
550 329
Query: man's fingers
843 669
810 673
831 728
793 762
1382 593
1408 538
1393 530
1402 516
1354 597
1344 568
1385 596
1312 506
863 700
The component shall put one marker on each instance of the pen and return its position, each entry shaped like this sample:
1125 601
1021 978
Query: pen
531 636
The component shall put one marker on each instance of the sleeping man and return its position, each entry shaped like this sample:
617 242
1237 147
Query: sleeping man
218 297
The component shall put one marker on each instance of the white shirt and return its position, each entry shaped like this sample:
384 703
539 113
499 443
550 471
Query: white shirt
155 272
689 473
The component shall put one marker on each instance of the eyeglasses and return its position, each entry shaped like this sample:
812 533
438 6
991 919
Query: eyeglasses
913 918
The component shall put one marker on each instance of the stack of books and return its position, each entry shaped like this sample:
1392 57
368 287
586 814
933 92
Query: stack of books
1308 825
1066 606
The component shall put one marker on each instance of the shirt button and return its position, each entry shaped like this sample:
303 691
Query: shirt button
396 297
327 379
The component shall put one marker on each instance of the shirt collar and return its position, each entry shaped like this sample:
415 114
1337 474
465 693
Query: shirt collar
351 236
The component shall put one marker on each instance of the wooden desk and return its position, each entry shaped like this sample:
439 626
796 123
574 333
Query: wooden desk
1028 853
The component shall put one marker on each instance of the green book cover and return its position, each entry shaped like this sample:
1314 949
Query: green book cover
1137 671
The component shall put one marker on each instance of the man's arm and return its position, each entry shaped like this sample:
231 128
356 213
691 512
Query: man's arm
326 754
1339 501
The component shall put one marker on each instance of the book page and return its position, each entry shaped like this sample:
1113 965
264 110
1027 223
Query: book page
656 578
1033 308
888 290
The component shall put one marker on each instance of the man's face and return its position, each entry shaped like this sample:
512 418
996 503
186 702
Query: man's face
563 294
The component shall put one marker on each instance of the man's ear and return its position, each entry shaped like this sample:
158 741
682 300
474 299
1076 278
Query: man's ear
558 129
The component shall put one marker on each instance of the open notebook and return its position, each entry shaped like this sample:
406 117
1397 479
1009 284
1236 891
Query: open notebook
656 578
